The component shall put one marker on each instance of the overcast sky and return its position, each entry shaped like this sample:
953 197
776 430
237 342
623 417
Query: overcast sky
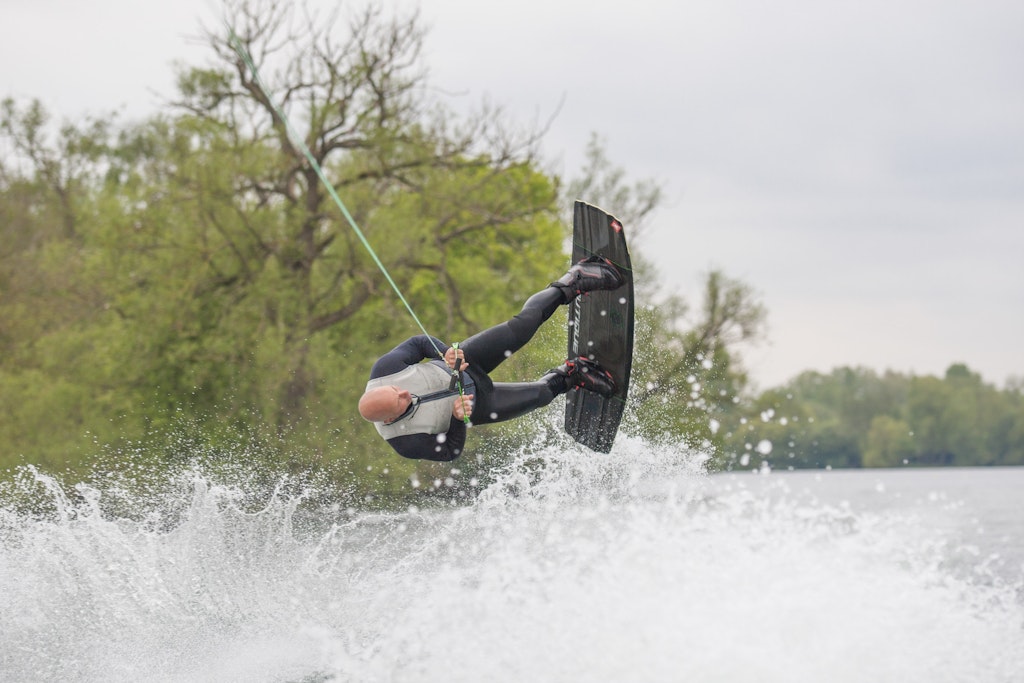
859 164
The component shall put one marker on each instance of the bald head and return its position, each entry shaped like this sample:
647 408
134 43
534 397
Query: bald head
384 404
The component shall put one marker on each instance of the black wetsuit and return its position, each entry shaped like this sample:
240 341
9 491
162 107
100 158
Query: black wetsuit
484 351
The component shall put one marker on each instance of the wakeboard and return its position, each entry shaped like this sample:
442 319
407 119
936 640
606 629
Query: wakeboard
600 328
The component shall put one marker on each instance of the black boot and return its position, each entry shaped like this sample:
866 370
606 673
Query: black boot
583 373
588 275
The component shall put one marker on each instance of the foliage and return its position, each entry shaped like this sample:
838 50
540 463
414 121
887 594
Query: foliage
184 284
855 417
687 379
191 270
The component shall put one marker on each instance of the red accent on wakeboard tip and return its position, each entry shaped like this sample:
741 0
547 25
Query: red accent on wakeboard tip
616 226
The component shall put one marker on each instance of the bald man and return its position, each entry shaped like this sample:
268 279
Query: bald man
417 407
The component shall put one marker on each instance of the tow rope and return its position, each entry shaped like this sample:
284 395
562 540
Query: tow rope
457 382
299 143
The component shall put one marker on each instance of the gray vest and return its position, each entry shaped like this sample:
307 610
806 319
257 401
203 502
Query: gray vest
432 417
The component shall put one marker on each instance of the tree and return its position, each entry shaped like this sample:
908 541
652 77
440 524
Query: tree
425 191
51 387
690 381
233 294
890 443
855 417
603 183
64 168
686 377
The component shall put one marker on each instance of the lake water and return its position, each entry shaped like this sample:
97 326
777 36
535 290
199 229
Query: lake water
570 567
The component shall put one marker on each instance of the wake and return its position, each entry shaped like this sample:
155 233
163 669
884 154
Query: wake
564 566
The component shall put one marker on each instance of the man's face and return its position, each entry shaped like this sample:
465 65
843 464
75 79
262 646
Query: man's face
399 399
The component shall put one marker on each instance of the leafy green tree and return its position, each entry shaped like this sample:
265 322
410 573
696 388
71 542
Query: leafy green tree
689 382
773 428
601 182
890 443
1006 430
927 406
838 411
965 421
431 199
225 291
52 388
854 417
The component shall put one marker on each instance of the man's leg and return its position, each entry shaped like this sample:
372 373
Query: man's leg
486 350
508 400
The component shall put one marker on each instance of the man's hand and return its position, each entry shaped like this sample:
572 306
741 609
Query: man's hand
463 407
451 354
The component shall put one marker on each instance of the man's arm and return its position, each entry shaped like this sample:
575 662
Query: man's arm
409 352
439 447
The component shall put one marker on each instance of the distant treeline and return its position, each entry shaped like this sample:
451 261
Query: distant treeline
854 417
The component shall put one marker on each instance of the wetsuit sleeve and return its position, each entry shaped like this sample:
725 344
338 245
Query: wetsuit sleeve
409 352
430 446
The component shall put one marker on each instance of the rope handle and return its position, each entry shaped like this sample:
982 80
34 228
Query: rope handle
457 380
